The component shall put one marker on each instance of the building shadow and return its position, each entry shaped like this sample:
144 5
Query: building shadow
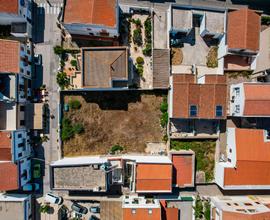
38 27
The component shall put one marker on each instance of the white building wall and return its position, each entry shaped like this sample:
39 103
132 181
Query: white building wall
237 100
90 30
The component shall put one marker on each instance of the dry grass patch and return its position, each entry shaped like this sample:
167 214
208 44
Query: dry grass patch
128 119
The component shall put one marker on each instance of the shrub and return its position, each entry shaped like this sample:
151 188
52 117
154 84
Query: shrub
67 129
164 119
265 20
73 63
78 128
116 148
75 104
147 51
164 105
137 36
137 22
62 80
58 50
44 208
148 29
212 61
140 69
139 60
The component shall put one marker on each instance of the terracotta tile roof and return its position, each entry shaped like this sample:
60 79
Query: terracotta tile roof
8 176
171 214
186 93
97 12
10 6
241 216
168 213
9 56
253 159
154 177
244 29
257 99
5 146
142 213
183 167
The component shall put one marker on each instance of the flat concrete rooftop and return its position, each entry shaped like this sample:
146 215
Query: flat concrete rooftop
82 177
181 19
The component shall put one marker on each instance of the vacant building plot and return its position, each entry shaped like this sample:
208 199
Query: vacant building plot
128 119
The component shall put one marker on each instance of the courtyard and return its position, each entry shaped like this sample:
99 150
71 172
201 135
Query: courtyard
102 120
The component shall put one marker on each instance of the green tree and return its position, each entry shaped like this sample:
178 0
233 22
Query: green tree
147 51
58 50
137 37
207 210
198 208
62 80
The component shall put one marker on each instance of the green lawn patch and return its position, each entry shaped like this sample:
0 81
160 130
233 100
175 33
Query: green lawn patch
205 155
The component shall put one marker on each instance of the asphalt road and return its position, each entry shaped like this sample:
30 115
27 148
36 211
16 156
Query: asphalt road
46 35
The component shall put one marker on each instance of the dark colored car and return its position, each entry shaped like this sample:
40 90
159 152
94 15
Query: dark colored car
79 208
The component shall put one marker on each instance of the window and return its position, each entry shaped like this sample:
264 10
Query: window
193 110
229 160
219 111
19 135
20 144
230 150
22 108
20 154
22 122
237 91
150 211
22 48
237 109
21 70
248 204
133 211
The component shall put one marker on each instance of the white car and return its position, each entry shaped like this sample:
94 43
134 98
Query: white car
51 198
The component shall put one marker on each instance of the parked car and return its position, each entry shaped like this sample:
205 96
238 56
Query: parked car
93 218
94 209
31 187
51 198
79 208
37 171
38 59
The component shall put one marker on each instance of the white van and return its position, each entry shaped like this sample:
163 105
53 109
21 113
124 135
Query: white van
51 198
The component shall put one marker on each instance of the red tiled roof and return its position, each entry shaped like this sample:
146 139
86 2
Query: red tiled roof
8 176
9 56
244 29
10 6
257 99
168 213
242 216
97 12
253 159
154 177
142 214
5 146
183 167
186 93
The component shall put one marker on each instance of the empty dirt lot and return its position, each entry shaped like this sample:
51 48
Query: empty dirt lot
126 118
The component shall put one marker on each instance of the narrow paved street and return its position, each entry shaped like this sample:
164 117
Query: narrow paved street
46 36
